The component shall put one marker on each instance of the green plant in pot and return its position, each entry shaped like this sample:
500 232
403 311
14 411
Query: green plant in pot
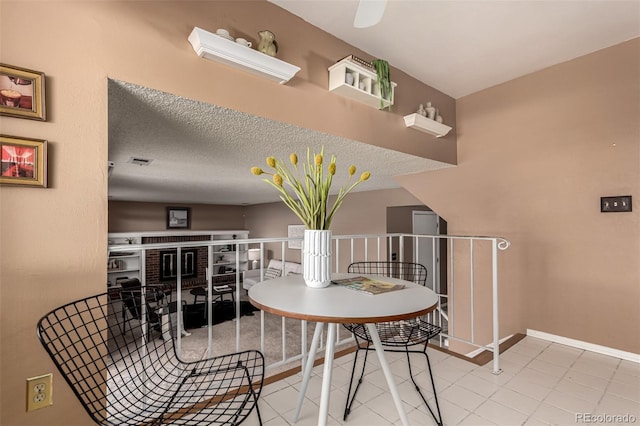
384 80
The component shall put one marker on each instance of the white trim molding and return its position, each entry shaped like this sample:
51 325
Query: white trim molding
579 344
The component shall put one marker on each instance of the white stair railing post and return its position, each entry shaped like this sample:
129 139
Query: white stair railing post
496 319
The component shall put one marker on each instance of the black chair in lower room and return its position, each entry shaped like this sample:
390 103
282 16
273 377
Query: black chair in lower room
130 379
397 336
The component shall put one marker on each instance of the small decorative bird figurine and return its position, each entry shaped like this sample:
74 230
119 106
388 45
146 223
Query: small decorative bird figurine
267 44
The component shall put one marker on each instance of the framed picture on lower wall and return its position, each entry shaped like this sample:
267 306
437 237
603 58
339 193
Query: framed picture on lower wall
178 218
24 161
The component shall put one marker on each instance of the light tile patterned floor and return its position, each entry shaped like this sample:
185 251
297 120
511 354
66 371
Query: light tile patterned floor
542 383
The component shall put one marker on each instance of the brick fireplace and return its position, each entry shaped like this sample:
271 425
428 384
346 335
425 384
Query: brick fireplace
195 258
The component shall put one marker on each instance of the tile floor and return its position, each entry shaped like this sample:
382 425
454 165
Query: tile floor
542 383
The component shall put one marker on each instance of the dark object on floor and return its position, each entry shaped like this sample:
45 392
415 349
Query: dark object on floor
195 315
396 336
129 379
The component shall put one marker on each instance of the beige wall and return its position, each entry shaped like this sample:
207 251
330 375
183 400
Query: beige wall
53 245
127 216
535 156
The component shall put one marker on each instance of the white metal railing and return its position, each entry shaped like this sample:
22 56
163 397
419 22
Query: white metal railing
350 248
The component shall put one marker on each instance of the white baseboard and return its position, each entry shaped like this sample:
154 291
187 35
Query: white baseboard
604 350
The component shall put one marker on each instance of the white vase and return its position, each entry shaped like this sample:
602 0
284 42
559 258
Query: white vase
316 258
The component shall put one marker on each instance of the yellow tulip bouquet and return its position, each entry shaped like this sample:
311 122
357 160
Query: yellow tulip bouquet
305 190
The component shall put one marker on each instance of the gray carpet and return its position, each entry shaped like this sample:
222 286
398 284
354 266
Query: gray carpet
194 347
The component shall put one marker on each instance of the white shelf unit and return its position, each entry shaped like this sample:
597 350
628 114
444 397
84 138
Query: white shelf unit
127 264
123 265
362 85
216 48
224 256
426 125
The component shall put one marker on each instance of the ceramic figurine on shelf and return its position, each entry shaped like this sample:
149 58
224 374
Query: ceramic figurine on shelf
431 111
421 111
267 44
348 78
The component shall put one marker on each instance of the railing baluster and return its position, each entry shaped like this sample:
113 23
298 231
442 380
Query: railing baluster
451 286
351 250
366 248
471 283
208 305
435 276
496 322
179 300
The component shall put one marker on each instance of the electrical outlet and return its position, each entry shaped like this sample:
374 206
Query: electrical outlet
39 392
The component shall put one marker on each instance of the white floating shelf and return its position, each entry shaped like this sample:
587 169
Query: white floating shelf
426 125
211 46
354 81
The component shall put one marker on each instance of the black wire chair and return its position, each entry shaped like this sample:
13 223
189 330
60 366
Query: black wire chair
396 336
132 379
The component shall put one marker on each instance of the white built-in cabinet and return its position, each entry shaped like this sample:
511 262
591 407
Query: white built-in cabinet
123 263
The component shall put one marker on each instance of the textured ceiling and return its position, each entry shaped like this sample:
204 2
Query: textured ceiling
462 46
203 153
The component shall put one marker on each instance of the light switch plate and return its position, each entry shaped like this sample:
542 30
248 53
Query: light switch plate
620 203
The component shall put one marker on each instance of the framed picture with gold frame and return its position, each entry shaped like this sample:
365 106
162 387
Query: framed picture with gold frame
22 93
24 161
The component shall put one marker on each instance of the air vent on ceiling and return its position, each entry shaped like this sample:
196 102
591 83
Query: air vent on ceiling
139 161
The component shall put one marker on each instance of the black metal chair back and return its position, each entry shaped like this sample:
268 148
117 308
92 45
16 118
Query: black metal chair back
132 379
395 336
131 294
407 271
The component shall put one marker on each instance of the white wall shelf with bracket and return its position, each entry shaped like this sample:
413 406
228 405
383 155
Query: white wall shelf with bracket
352 80
216 48
426 125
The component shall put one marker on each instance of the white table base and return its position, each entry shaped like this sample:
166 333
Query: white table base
328 368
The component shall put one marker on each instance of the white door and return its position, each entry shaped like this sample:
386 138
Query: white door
426 251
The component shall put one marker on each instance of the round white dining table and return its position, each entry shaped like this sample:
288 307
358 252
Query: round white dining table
289 297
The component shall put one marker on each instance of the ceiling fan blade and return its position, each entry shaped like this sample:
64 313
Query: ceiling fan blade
369 13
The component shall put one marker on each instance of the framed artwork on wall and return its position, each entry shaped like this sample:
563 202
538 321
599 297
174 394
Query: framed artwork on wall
22 93
23 161
178 218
